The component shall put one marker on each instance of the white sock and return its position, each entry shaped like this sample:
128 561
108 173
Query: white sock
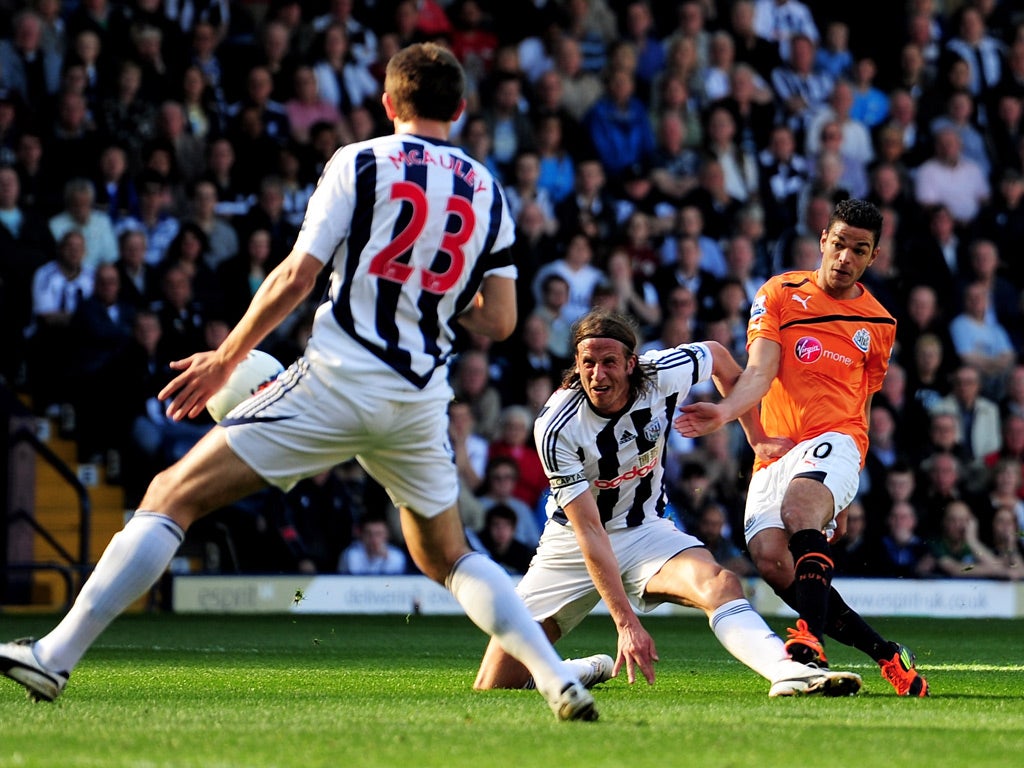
487 596
132 562
746 636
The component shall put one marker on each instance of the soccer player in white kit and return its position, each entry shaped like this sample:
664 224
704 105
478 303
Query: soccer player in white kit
601 439
417 234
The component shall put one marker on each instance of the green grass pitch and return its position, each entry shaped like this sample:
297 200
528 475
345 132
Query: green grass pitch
359 692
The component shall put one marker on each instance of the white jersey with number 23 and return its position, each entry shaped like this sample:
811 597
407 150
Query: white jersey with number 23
413 225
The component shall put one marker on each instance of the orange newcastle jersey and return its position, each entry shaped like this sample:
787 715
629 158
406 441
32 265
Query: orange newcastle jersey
834 355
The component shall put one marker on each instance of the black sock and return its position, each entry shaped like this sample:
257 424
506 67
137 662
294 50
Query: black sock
844 624
813 577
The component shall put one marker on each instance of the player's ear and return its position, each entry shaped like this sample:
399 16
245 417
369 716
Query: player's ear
630 364
459 110
389 108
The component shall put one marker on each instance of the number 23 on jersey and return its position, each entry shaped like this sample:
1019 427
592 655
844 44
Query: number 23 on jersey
387 265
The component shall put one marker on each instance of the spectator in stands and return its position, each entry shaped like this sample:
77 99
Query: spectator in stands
619 126
79 215
241 275
499 540
1013 400
579 272
499 488
373 553
156 219
736 160
101 330
220 235
26 67
982 342
268 213
508 125
783 174
342 79
941 259
883 450
551 308
515 440
26 244
855 552
942 480
650 53
800 89
901 139
126 117
958 551
1004 299
203 112
634 293
902 554
116 192
782 21
889 188
188 150
469 453
982 52
580 87
316 521
471 382
1002 221
139 280
711 530
870 104
188 249
952 180
855 140
58 287
959 114
181 317
590 208
1005 488
802 236
1008 542
977 417
685 270
760 53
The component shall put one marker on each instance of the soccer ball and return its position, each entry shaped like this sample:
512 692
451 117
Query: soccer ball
257 370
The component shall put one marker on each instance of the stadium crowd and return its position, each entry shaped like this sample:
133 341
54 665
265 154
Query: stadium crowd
662 158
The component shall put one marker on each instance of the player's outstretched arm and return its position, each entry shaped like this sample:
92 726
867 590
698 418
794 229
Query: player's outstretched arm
635 645
726 373
493 311
698 419
204 373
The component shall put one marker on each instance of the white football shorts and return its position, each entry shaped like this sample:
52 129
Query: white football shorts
299 426
557 583
832 458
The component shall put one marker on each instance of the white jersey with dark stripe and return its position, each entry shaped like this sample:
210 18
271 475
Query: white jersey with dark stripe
619 459
412 226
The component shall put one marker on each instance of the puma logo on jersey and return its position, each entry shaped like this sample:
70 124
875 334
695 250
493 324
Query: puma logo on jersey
802 299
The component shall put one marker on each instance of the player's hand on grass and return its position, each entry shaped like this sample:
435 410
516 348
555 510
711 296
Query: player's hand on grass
636 650
696 419
202 374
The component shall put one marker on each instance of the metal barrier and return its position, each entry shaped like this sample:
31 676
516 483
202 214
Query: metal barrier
70 565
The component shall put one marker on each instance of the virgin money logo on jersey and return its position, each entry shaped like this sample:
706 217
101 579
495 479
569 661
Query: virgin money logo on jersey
808 349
